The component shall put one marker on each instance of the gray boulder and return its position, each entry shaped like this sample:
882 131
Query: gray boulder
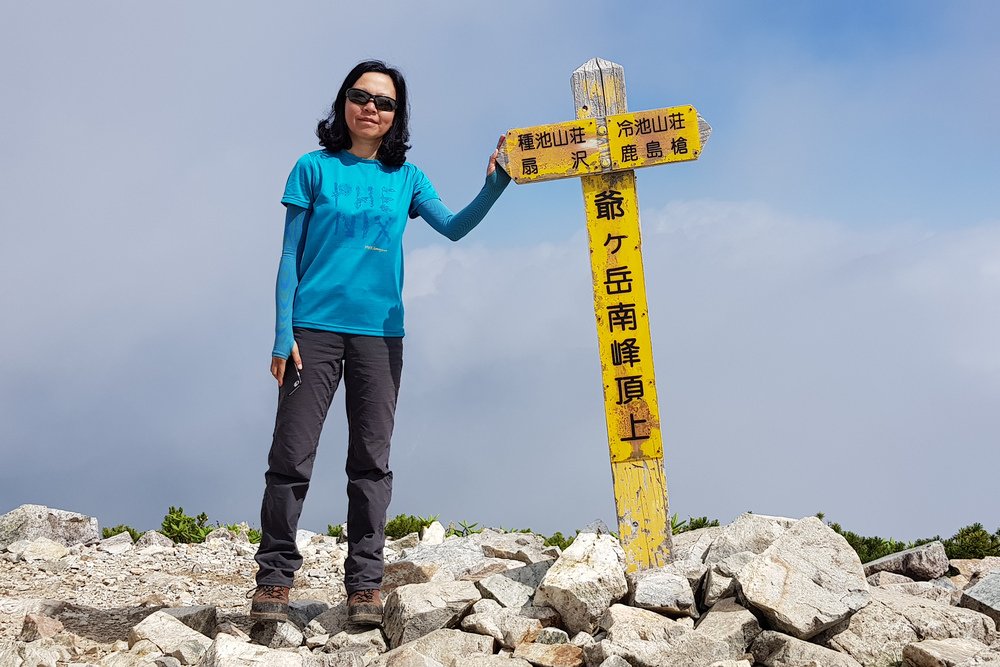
984 596
29 522
663 590
154 538
749 532
455 556
227 651
941 652
720 581
440 647
624 624
514 588
415 610
550 655
876 635
586 579
694 544
928 561
273 634
774 649
166 632
732 624
524 547
201 619
808 580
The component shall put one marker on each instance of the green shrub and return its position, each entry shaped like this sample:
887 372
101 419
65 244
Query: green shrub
972 542
184 529
334 531
463 529
121 528
558 540
691 523
403 524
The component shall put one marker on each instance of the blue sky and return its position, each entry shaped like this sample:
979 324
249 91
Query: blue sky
823 282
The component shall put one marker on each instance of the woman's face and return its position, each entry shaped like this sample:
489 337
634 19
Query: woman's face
366 122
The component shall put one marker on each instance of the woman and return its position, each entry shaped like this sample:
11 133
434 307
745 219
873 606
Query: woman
340 313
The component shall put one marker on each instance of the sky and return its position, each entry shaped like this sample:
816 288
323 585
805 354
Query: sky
823 283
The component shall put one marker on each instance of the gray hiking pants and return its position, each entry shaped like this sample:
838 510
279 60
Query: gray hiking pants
371 368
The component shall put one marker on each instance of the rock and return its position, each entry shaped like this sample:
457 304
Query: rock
524 547
808 580
488 661
615 661
877 634
201 619
885 578
300 612
417 609
720 581
303 538
552 636
663 590
405 572
38 549
928 561
491 566
584 581
331 622
29 522
227 651
116 544
220 533
406 542
154 538
274 634
749 532
438 647
688 650
486 606
922 589
188 652
732 624
694 544
731 663
166 632
359 639
455 556
514 588
774 649
941 652
547 616
167 661
505 626
550 655
984 596
230 628
432 534
37 626
624 624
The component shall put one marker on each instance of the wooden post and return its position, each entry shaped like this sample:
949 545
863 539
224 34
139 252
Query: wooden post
603 147
631 408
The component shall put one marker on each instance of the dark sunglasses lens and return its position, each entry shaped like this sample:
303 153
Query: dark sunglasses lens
358 96
383 103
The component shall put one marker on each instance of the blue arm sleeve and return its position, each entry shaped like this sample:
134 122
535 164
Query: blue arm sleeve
457 225
288 280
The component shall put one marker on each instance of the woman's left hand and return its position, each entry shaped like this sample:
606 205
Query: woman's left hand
492 166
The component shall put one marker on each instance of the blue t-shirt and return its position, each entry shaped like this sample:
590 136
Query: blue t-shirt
350 264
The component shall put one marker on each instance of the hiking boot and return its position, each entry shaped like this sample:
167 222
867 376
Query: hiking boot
269 603
365 607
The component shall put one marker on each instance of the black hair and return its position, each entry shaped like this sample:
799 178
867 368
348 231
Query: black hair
332 130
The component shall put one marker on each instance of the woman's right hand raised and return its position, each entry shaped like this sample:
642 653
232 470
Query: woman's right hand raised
278 364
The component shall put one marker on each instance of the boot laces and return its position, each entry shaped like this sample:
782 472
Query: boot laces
271 592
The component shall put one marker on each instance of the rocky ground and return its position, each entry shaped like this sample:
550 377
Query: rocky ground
761 591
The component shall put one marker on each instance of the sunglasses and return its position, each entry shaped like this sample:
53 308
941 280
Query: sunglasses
361 98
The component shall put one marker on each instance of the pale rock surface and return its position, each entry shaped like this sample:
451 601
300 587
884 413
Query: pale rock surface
663 590
984 596
433 534
688 650
202 618
552 636
154 538
876 635
273 634
749 532
404 572
524 547
303 538
37 626
166 632
731 663
417 609
188 652
774 649
550 655
505 626
228 651
885 578
623 624
694 544
928 561
514 588
808 580
440 647
941 652
730 623
301 612
29 522
488 661
584 581
330 622
456 555
40 548
720 580
363 639
922 589
116 544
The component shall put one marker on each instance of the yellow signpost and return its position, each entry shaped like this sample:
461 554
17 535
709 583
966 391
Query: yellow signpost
603 147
